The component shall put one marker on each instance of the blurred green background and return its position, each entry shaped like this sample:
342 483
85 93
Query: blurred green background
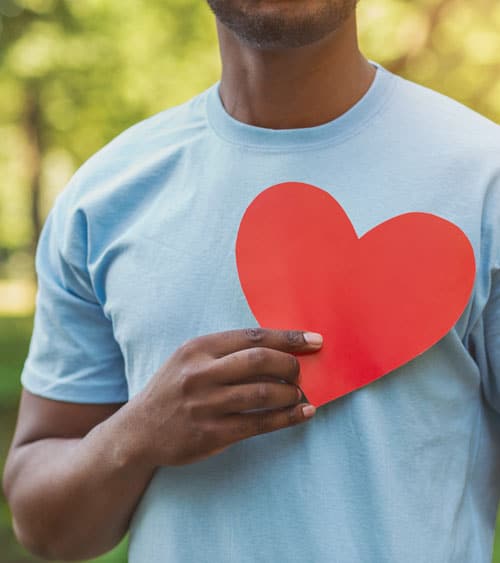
73 74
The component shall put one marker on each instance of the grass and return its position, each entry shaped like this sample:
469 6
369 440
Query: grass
14 342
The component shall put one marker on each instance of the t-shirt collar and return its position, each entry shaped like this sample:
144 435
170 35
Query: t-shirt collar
237 132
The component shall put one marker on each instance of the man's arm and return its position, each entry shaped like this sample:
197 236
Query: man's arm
75 473
69 478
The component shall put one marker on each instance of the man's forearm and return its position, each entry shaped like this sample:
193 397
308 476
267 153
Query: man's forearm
73 498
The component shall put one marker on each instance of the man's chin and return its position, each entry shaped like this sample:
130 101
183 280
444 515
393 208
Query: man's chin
282 24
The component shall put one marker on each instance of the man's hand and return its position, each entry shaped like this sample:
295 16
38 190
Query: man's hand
198 402
100 458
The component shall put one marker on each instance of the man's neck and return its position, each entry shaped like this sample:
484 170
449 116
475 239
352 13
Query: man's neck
293 88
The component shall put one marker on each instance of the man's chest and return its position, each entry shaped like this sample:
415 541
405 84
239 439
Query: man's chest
173 275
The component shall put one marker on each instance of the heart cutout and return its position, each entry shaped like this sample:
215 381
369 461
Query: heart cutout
379 300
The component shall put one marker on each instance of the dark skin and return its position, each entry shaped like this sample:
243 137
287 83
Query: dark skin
283 87
76 472
100 458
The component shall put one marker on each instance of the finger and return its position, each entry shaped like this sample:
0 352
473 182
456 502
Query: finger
239 398
241 426
252 363
219 344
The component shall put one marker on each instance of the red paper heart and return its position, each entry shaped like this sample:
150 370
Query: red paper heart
379 300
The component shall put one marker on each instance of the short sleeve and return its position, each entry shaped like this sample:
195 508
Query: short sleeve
73 355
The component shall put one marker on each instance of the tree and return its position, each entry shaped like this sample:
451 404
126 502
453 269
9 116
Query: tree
74 74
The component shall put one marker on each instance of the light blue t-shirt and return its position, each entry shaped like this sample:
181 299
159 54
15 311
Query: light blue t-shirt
138 256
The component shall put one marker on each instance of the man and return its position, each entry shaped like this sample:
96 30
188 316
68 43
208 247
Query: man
152 400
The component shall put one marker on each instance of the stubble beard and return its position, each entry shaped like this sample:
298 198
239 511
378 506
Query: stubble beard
273 30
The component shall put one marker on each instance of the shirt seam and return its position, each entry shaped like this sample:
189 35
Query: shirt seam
311 146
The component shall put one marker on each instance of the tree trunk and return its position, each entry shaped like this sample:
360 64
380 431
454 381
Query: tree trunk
32 128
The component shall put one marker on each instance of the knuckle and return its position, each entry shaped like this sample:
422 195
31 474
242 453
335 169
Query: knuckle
195 409
257 358
187 349
197 442
236 399
261 394
203 436
186 380
262 423
294 366
210 434
292 416
189 376
254 335
294 338
291 396
241 429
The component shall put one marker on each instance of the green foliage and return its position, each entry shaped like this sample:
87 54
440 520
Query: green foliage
94 68
14 340
452 46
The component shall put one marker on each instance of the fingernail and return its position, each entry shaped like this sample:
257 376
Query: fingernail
308 411
299 393
313 338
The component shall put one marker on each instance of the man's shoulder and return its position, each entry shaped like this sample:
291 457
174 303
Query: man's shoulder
138 150
444 122
177 122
